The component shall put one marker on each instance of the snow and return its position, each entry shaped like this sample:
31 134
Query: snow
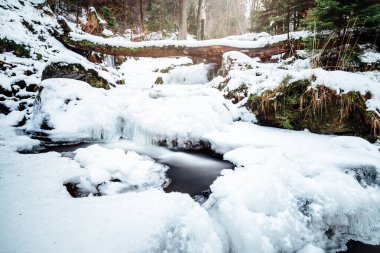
290 191
118 42
179 115
194 74
248 36
259 77
148 221
44 48
107 33
370 56
33 196
148 69
104 166
289 188
9 138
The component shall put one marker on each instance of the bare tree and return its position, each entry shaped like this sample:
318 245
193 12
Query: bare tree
199 18
182 20
141 16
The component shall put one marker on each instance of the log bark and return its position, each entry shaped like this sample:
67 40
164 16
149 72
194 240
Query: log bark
211 53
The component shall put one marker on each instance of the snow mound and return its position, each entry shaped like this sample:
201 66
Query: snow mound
194 74
8 136
112 171
291 189
370 56
174 115
143 72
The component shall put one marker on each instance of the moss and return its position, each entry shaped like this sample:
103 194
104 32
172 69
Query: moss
167 70
285 122
159 81
20 50
74 71
298 106
238 94
38 56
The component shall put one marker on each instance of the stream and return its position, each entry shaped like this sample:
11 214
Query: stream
190 172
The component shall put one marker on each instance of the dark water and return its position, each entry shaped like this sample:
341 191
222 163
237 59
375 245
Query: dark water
359 247
195 173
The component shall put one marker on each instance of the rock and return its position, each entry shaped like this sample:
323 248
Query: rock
28 73
320 110
94 25
21 84
4 109
32 88
120 82
5 92
74 71
159 81
22 106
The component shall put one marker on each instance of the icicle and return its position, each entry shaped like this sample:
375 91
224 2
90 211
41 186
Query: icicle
110 60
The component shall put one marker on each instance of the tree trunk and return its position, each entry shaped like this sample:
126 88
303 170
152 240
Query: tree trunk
182 20
78 10
212 53
141 16
199 18
203 29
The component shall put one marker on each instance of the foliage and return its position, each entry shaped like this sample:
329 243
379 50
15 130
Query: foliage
356 19
18 49
162 15
280 16
108 16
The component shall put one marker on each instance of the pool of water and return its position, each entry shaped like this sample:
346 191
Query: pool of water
359 247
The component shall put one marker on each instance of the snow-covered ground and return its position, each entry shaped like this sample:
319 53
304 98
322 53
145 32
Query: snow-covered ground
289 192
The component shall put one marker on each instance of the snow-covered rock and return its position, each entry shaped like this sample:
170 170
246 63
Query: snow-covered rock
175 115
291 189
112 171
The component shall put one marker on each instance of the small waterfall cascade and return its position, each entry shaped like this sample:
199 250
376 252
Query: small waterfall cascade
110 61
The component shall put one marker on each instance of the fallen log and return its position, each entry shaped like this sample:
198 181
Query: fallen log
211 50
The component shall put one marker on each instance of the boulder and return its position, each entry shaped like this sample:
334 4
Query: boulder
321 110
74 71
94 25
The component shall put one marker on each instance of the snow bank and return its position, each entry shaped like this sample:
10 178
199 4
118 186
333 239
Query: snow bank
112 171
293 189
8 136
35 208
